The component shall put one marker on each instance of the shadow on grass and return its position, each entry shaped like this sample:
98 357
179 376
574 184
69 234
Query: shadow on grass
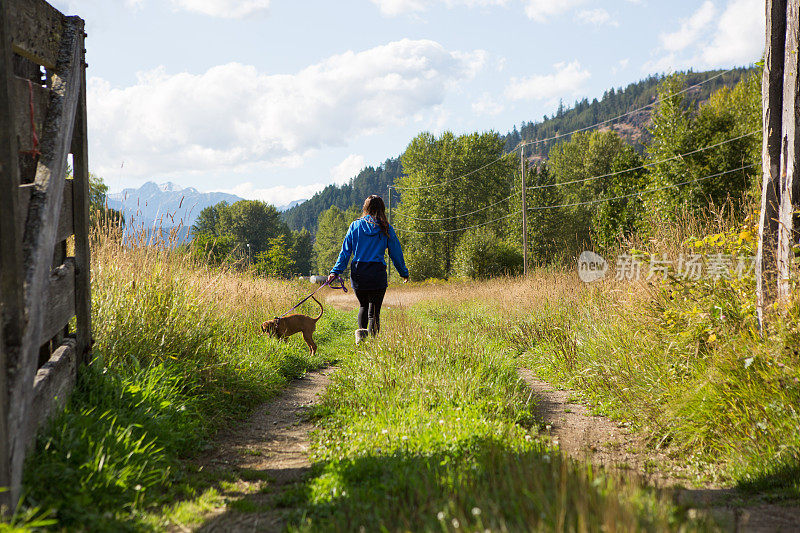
781 481
475 484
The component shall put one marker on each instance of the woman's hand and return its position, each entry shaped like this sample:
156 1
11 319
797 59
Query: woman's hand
331 277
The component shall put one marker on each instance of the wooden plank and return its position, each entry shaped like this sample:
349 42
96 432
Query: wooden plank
36 30
5 477
40 230
60 297
11 292
789 178
772 110
24 94
80 218
53 384
65 217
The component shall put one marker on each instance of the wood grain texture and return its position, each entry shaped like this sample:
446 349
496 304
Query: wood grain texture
60 296
40 234
24 93
53 384
772 116
789 178
80 217
65 218
11 293
36 30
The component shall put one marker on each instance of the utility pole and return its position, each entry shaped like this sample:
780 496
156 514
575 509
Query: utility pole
524 213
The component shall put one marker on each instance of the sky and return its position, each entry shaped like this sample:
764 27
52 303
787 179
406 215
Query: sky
275 99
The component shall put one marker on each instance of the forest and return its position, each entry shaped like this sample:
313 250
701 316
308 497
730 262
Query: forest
457 198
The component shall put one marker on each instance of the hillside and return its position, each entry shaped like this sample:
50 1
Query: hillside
583 114
616 102
370 180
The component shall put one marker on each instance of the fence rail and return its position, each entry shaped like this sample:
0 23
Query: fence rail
44 223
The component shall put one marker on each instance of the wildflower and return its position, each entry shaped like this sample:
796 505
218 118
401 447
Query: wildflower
440 515
476 511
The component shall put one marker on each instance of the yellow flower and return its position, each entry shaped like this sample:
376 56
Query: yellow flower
712 337
745 236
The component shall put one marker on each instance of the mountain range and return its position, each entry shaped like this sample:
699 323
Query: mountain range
164 205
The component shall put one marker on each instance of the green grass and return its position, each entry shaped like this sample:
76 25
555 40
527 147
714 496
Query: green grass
430 428
179 357
684 365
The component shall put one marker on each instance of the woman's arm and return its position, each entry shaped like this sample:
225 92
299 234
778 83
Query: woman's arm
396 254
344 254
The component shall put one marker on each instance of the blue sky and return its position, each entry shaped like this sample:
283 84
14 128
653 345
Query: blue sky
274 99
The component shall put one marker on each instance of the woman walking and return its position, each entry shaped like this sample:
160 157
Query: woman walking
367 240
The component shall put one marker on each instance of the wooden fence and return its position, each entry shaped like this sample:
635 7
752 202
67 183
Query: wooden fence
44 217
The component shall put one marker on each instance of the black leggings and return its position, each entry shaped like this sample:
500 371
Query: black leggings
369 312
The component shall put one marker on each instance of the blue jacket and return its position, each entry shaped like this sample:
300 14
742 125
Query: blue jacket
367 243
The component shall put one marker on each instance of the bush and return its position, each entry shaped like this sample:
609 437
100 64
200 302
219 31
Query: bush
482 256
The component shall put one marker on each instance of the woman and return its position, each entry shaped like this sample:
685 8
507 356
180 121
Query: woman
367 240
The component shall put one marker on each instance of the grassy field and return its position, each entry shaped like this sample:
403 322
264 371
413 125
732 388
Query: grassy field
180 356
428 427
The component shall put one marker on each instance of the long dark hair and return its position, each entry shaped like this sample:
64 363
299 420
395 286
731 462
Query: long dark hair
373 206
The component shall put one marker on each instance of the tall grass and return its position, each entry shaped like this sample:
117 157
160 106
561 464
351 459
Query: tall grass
429 428
682 360
179 355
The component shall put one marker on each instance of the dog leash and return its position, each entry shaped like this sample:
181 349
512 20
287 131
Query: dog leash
337 279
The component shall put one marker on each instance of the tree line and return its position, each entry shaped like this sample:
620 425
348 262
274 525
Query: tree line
451 226
595 190
251 234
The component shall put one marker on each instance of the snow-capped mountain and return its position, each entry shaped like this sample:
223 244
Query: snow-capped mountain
164 205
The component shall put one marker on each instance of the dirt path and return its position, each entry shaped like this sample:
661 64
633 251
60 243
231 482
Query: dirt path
266 455
602 441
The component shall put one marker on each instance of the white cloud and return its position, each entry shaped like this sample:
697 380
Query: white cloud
621 65
739 37
222 8
233 117
598 17
567 79
278 196
487 105
708 39
393 8
542 10
348 168
690 29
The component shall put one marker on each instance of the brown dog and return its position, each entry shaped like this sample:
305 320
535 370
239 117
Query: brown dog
285 327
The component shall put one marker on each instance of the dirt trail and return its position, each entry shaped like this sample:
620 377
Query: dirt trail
269 453
601 441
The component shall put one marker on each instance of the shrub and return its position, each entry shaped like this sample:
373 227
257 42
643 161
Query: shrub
482 255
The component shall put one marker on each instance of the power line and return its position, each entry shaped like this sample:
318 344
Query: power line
451 180
560 135
576 204
651 104
459 229
646 165
582 180
458 216
639 193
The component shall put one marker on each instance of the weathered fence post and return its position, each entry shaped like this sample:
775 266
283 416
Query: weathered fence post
41 288
11 294
789 179
780 192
